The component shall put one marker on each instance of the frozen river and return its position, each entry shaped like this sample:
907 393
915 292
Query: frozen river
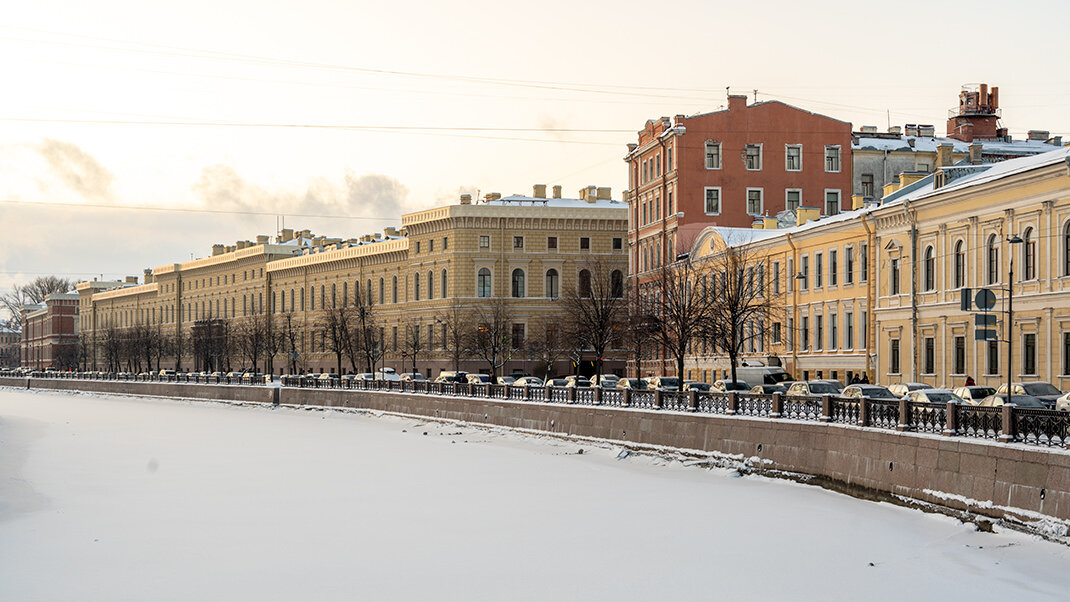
114 498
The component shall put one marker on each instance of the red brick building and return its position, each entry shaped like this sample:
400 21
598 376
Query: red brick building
727 168
50 333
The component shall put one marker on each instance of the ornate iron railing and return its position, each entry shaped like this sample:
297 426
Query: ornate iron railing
883 414
1041 427
928 417
846 411
801 408
642 399
558 395
675 400
585 395
757 404
712 403
612 397
981 422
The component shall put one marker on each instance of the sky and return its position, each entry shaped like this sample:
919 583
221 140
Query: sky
345 115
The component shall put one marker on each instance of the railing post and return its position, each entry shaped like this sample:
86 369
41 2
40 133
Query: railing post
508 391
572 394
951 425
733 403
597 398
778 406
904 415
657 399
547 393
863 411
692 401
826 408
626 398
1007 434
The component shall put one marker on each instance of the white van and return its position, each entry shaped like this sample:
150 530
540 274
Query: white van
762 375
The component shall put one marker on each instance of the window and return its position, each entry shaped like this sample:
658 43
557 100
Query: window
867 185
849 267
791 276
805 271
483 282
1029 354
657 164
445 288
960 355
863 256
894 277
804 334
819 335
484 241
445 243
775 334
415 287
848 330
394 289
713 201
713 155
754 201
930 355
993 357
1066 353
618 244
791 334
668 156
819 270
833 265
430 336
616 284
832 202
753 157
430 285
832 159
417 246
960 267
394 331
518 336
669 212
518 243
585 243
865 330
930 268
553 283
382 291
1029 257
1066 251
793 157
792 198
893 356
518 283
992 256
585 283
833 331
431 246
776 277
551 243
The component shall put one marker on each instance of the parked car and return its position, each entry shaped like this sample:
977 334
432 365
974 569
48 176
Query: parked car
387 374
762 375
606 381
557 382
478 379
631 383
166 373
973 394
694 385
768 389
727 386
329 376
449 376
813 387
1022 401
901 389
868 392
529 381
412 376
933 396
1045 392
663 383
577 381
1063 403
505 380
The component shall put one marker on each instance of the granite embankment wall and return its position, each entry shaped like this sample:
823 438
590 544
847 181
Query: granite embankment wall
948 471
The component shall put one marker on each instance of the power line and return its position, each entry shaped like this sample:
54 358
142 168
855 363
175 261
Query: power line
197 210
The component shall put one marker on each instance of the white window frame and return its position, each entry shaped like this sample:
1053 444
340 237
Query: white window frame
705 208
790 190
705 155
839 158
761 201
760 161
480 240
791 146
839 201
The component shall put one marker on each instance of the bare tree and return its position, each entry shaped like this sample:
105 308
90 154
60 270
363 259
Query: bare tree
457 328
676 309
414 344
334 328
491 339
35 291
743 304
252 338
548 348
364 338
290 334
595 308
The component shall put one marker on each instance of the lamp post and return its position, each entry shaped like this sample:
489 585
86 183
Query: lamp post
799 276
1013 240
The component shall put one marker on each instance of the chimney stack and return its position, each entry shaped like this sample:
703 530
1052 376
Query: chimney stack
806 214
287 235
737 102
466 199
557 191
912 129
975 153
217 249
262 239
131 279
943 154
148 276
604 193
539 191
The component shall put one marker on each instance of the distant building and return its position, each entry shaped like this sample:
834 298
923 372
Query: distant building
50 333
974 135
9 346
727 168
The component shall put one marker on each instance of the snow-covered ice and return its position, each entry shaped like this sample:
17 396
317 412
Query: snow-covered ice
123 498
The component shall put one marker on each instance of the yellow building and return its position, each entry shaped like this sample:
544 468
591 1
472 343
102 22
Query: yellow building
526 250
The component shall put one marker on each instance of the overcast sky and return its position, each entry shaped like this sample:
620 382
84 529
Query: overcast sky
369 75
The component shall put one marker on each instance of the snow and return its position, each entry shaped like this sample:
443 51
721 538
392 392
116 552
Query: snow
126 498
521 200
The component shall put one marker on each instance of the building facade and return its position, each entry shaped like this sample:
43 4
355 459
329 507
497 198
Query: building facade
50 333
10 350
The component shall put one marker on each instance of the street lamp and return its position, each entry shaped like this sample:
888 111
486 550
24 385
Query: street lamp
1013 240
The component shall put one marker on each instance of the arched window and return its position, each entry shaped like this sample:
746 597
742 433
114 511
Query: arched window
445 288
334 295
292 308
992 257
416 287
345 293
1066 249
1029 255
430 285
553 284
394 291
616 284
930 269
960 265
585 283
518 283
483 282
382 291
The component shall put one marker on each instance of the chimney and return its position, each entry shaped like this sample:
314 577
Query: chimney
982 98
217 249
1041 135
869 129
993 97
262 239
306 233
391 231
737 102
679 119
895 129
806 214
240 244
557 191
758 224
943 154
287 235
131 279
604 193
857 201
927 131
770 223
492 196
589 193
912 129
539 191
148 276
466 199
975 153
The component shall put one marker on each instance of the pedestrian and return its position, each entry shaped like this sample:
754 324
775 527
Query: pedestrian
970 382
854 380
865 379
